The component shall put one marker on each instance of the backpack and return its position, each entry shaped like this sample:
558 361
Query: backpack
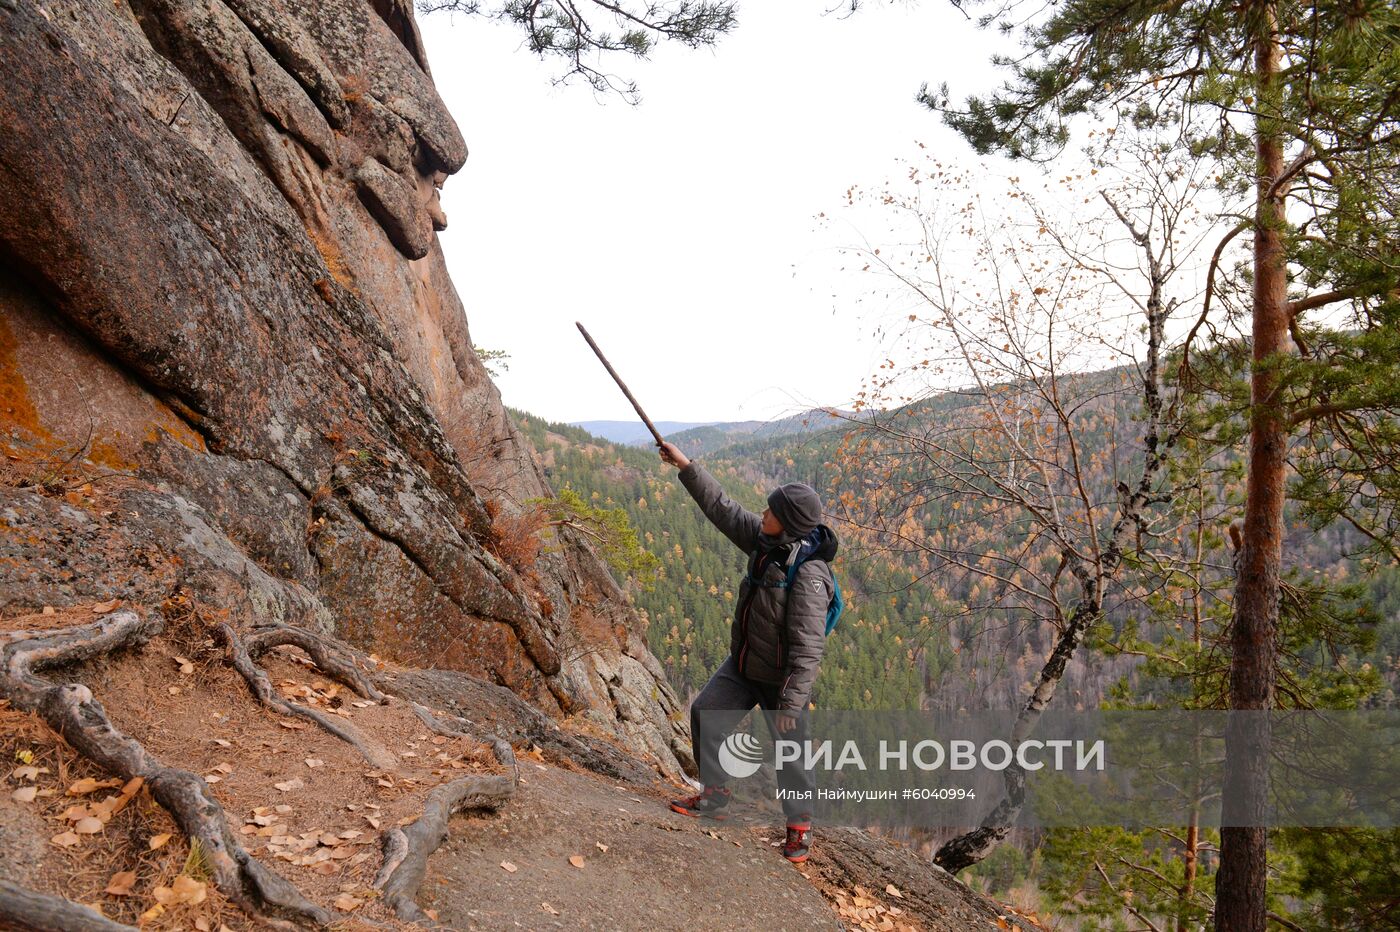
796 557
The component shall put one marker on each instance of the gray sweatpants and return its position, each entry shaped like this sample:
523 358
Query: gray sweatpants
725 700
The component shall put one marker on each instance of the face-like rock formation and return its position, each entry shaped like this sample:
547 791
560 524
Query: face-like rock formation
233 367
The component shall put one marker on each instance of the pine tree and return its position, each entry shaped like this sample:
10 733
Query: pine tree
1318 82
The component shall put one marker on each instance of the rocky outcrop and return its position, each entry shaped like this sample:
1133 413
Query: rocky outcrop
232 363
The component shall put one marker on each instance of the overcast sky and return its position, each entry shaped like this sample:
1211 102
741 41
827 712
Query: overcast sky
681 231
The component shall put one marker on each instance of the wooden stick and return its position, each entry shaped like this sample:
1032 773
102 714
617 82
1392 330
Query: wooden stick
620 384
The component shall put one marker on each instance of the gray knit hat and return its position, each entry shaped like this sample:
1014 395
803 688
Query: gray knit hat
798 506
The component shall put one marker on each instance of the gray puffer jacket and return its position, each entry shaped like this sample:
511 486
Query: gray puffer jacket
778 634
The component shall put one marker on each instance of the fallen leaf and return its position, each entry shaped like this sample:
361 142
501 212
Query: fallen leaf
314 763
549 909
88 785
65 840
508 867
88 826
102 607
28 773
185 665
150 915
224 767
158 841
185 889
892 890
576 860
25 794
201 924
295 783
189 890
212 778
222 743
49 610
347 903
601 846
121 883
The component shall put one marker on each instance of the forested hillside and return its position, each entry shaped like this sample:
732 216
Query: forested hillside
911 637
920 635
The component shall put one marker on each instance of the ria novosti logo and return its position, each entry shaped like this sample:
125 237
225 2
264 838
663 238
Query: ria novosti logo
740 755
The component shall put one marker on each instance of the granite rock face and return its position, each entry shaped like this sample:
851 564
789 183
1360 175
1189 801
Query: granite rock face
232 362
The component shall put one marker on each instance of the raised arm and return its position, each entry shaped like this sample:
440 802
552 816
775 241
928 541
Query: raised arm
736 522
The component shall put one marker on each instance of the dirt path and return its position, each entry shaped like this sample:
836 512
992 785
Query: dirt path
661 871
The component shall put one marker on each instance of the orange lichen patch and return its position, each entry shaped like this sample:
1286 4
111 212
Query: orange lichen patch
16 410
176 429
354 87
335 262
105 454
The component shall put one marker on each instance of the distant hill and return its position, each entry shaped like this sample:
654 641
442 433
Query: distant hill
703 441
635 432
700 438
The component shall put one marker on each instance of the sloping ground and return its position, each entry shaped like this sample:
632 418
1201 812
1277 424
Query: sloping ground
660 870
647 868
323 812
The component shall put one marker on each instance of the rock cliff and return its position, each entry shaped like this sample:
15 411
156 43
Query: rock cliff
233 368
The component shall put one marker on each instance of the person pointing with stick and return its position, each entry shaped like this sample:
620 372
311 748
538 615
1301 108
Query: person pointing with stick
788 600
776 640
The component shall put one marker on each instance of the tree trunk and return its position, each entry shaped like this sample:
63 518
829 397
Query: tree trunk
1240 886
1190 858
969 848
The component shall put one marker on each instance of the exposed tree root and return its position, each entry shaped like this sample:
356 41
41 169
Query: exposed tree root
505 754
256 677
406 850
9 637
335 663
72 712
29 911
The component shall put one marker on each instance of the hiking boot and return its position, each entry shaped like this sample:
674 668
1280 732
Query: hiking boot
709 804
798 844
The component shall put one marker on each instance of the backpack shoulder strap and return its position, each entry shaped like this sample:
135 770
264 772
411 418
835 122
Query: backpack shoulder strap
795 561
